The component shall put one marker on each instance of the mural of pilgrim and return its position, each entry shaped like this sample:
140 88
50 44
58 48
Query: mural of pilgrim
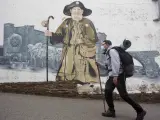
79 38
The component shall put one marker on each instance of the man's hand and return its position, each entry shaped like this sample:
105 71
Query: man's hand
115 80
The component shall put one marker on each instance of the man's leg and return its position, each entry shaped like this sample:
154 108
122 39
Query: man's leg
121 87
109 87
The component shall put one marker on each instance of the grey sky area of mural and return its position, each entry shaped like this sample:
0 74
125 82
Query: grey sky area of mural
132 19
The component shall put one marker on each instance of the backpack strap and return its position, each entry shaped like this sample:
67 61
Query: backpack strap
119 50
107 53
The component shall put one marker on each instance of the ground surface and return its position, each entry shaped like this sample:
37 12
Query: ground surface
29 107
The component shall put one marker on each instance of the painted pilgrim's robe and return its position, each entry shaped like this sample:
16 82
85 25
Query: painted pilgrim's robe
79 50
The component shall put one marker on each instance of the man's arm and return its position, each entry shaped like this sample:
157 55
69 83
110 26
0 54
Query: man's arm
115 62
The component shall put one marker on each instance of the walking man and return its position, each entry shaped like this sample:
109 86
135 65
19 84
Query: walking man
117 79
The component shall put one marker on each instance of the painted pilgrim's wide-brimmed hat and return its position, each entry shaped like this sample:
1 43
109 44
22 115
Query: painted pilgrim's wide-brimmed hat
86 12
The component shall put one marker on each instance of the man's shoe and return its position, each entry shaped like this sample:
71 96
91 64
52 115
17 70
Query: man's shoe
140 116
109 114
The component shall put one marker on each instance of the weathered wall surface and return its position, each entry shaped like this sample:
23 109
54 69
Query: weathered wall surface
132 19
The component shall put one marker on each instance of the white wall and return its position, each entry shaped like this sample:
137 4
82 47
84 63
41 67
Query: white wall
119 19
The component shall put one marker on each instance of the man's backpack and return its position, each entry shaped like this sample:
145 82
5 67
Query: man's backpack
127 61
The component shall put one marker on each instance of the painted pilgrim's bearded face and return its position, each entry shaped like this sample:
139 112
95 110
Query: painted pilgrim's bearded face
76 13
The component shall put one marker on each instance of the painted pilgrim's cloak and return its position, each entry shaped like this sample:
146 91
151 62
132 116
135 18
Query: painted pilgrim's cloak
78 61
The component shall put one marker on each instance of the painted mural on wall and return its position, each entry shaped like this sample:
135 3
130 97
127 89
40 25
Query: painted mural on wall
72 58
23 50
79 39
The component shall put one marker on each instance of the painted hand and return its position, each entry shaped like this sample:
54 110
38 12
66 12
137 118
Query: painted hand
48 33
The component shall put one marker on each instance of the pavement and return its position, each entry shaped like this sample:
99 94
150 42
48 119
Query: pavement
30 107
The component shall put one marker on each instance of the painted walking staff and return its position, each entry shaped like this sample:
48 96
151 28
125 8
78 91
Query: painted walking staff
79 38
158 18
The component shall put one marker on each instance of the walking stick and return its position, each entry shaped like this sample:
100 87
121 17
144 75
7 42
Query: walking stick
101 89
46 24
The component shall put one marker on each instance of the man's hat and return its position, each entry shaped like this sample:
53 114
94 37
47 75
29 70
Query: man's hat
86 12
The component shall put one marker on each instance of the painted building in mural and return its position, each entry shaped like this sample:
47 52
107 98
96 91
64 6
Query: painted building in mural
17 39
20 43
